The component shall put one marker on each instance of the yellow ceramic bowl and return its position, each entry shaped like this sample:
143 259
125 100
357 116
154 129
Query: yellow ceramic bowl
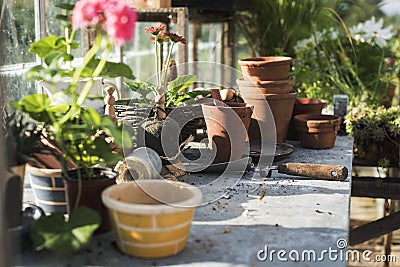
151 218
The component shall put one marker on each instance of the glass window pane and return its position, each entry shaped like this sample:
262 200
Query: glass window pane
17 31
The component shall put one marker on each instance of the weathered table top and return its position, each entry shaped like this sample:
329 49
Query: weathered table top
308 219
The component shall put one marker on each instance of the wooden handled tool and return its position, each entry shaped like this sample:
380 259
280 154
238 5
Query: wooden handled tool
320 171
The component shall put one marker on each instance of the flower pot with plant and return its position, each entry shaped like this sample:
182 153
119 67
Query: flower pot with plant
376 132
166 95
81 134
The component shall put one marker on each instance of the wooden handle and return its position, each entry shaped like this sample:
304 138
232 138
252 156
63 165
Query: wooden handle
320 171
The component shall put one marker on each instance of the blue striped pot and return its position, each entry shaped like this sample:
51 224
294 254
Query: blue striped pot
48 189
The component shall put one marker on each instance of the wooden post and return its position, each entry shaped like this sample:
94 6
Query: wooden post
182 24
228 53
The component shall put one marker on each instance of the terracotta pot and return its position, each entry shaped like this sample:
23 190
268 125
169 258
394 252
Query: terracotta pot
265 68
151 218
227 129
91 193
48 189
265 87
280 106
304 106
316 130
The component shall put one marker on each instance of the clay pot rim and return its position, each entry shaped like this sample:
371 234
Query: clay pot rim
309 101
280 96
250 83
264 60
315 120
152 209
227 105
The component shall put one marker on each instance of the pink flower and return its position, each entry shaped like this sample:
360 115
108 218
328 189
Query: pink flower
87 13
176 38
155 30
117 18
120 22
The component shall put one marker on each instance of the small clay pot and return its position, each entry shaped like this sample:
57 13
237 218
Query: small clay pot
308 106
304 106
227 127
265 68
316 130
91 192
265 87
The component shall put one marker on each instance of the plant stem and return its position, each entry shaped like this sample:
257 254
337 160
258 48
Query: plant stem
157 56
167 64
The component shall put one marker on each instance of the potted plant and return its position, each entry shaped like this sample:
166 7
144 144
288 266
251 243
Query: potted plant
22 141
376 132
81 134
23 137
168 95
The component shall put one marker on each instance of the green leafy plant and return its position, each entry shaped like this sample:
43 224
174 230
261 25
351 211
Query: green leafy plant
57 56
22 137
272 27
357 62
175 96
176 93
376 132
84 137
54 233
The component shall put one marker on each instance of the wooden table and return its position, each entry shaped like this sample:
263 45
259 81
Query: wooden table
288 213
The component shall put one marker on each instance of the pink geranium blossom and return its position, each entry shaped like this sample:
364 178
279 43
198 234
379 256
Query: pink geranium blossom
116 18
87 13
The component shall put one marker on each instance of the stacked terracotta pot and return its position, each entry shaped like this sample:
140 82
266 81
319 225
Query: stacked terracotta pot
267 79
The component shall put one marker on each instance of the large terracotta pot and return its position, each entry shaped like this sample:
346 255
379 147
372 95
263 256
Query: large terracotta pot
304 106
151 218
227 129
281 107
91 193
316 130
265 68
265 87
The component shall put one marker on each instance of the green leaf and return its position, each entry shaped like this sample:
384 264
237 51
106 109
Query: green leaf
62 17
60 108
190 95
140 87
46 46
35 103
110 70
65 6
54 233
91 117
181 83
